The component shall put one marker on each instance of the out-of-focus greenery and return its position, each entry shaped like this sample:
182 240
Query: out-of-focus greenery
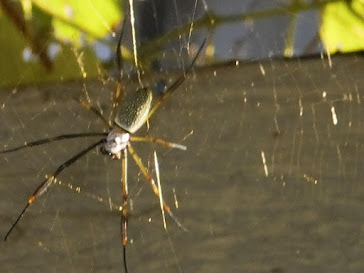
78 21
342 26
44 41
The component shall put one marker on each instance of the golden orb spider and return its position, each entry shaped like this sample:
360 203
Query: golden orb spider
132 112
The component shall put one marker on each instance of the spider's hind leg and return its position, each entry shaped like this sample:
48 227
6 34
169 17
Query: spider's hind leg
154 186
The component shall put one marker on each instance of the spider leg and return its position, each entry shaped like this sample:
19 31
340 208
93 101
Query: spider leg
124 212
91 108
119 91
176 83
51 139
159 141
152 183
43 187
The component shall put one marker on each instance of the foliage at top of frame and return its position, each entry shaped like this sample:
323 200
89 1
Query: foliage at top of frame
44 41
47 41
342 26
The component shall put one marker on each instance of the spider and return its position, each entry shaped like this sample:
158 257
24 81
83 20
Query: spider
129 112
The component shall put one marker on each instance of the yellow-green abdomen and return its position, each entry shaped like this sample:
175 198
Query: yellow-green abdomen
134 109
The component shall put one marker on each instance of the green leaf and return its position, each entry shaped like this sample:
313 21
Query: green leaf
67 25
342 27
16 70
75 21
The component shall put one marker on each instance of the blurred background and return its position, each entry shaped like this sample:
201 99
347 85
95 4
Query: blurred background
272 117
62 40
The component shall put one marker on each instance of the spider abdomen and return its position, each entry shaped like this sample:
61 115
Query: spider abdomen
134 109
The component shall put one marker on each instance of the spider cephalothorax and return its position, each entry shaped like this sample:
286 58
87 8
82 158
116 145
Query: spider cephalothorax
115 143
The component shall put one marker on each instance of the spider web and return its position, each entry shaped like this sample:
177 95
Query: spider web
271 180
